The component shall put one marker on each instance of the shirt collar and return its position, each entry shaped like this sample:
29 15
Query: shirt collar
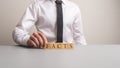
64 1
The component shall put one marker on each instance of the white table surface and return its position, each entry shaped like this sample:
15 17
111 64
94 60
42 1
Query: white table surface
91 56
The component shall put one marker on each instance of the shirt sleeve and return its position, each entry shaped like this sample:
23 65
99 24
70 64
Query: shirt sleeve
78 34
21 31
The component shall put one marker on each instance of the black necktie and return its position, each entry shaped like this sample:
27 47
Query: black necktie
59 21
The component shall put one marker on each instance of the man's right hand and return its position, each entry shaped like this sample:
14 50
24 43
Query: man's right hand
37 40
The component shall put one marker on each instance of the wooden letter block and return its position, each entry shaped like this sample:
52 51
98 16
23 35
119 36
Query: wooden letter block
59 46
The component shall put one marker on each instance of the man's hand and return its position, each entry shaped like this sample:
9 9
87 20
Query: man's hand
37 40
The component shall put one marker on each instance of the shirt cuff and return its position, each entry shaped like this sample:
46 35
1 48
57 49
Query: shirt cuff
25 39
81 42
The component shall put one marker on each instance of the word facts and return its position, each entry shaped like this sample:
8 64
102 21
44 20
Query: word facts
59 46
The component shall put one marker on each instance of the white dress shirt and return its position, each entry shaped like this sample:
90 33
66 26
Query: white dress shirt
42 14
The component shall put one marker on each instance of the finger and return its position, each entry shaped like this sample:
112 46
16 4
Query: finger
35 40
32 43
39 38
43 37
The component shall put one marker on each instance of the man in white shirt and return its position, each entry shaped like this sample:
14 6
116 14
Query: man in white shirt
42 14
